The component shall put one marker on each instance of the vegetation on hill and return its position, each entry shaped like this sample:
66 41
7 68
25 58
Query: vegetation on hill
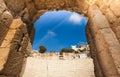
65 50
42 49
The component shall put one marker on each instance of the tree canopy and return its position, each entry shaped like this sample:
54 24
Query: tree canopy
42 49
65 50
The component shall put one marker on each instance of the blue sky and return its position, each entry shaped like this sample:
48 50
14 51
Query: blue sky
59 29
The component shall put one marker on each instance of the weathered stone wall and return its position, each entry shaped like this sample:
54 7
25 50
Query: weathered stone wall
104 37
5 20
103 31
14 48
93 52
105 41
56 55
50 65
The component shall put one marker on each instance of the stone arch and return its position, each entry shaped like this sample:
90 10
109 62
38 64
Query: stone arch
16 32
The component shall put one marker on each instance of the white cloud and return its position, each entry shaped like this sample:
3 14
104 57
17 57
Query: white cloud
51 33
75 18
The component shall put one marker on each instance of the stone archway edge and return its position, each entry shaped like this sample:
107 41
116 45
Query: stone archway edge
104 28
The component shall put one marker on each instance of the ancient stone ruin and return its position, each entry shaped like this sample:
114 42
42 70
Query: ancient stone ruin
17 32
50 64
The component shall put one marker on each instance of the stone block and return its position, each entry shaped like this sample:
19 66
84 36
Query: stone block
114 6
110 16
2 7
117 31
6 19
15 5
32 10
104 52
11 57
40 4
97 19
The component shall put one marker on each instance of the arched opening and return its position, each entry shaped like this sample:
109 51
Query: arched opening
59 29
60 32
103 31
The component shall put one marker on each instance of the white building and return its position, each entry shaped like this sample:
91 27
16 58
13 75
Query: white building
83 47
83 50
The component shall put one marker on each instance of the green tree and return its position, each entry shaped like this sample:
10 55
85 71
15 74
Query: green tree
64 50
42 49
71 50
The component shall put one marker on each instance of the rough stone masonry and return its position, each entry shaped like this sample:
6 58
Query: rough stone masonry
17 32
51 65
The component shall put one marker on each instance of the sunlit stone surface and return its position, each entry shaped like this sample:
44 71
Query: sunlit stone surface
52 66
